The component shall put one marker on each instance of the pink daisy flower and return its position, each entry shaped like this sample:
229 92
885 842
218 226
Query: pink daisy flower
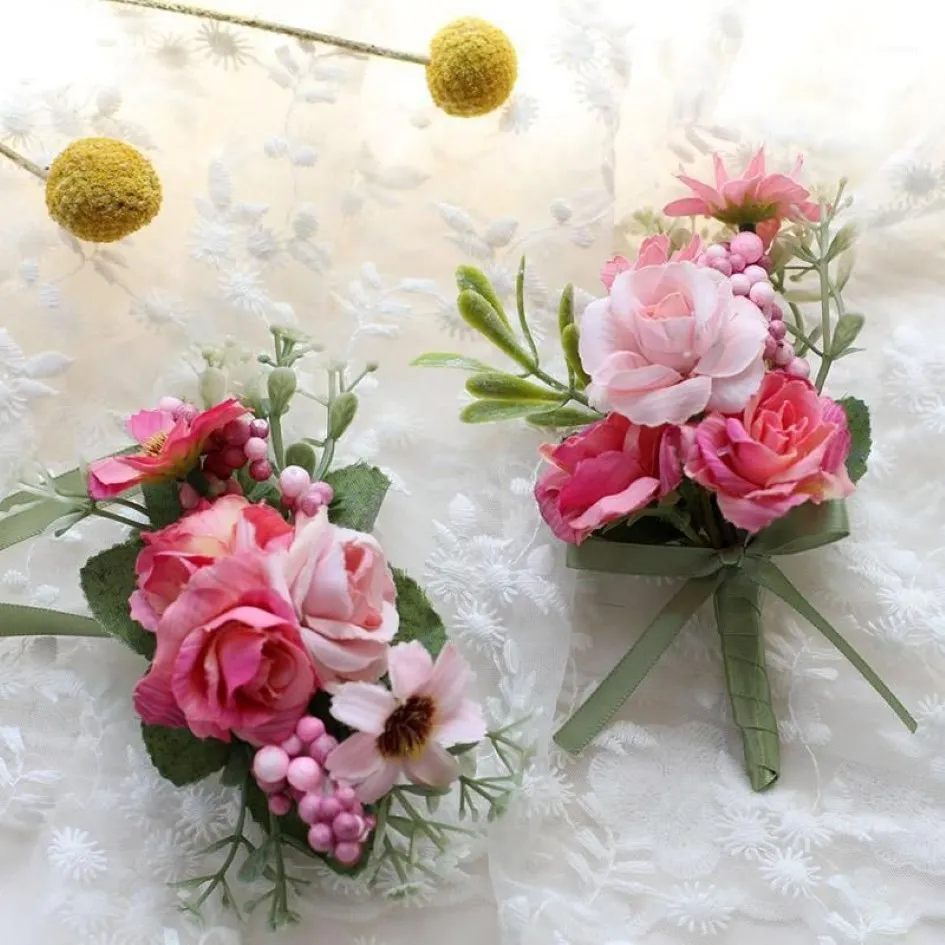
754 197
409 729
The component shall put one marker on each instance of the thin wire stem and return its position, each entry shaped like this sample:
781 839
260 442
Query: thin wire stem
368 49
23 162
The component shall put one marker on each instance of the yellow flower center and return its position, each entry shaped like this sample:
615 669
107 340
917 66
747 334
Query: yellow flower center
408 729
153 445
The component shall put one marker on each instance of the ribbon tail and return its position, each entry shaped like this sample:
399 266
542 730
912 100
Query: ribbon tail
604 703
19 621
770 576
738 614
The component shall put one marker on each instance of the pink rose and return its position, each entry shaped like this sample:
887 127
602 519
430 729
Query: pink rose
606 471
343 591
174 554
171 444
669 342
654 251
789 447
230 657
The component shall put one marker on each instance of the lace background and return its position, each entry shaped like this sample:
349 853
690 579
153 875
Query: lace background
308 186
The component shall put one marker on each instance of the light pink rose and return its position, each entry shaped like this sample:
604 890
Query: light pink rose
669 342
343 591
789 447
230 658
605 472
174 554
654 251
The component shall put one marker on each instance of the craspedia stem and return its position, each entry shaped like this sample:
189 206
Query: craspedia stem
23 162
368 49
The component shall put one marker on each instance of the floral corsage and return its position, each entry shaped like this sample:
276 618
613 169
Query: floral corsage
701 443
283 649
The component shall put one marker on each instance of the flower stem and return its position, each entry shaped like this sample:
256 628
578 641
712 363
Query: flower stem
825 295
220 876
709 522
557 385
23 162
275 431
115 517
128 504
368 49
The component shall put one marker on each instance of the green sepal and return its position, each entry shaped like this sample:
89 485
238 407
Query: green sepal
508 387
301 454
564 417
479 314
492 411
471 278
569 345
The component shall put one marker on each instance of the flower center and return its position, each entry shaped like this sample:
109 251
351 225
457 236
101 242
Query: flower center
153 445
408 729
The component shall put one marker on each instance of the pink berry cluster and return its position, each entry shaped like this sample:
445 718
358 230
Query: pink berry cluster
744 262
300 494
294 773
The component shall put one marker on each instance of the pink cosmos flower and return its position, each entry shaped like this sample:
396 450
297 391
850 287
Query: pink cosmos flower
230 657
343 591
174 554
789 447
409 729
754 197
671 341
170 448
606 471
654 251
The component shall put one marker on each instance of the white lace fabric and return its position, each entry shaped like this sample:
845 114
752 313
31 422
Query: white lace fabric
315 188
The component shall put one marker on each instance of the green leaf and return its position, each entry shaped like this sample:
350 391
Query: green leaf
444 359
569 345
162 500
418 619
564 417
849 326
359 494
257 861
480 315
180 756
844 239
566 308
491 411
469 277
499 386
108 580
858 421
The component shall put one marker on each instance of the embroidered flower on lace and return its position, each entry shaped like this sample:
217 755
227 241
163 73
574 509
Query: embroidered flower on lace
76 855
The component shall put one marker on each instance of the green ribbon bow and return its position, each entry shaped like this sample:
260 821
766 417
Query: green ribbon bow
735 576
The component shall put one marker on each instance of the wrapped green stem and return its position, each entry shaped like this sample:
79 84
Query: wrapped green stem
738 615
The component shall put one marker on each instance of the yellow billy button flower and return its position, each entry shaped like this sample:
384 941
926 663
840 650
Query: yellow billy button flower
473 67
102 190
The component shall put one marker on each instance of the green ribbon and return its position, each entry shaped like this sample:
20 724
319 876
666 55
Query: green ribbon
734 577
19 621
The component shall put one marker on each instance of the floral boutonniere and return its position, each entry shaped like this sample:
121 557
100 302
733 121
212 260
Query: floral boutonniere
698 442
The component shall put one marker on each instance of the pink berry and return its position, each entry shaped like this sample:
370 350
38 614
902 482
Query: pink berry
755 274
320 838
347 854
328 810
293 481
280 804
292 746
309 728
762 293
255 449
777 330
784 354
721 264
309 807
771 347
322 747
774 313
186 412
232 487
347 826
749 245
259 429
271 787
260 470
740 284
766 263
286 502
716 251
169 404
236 432
347 797
271 763
305 774
738 262
702 260
189 498
234 457
216 464
798 368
